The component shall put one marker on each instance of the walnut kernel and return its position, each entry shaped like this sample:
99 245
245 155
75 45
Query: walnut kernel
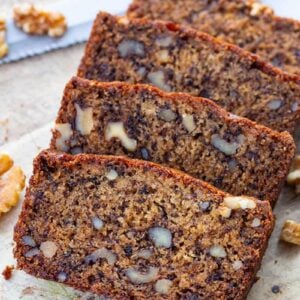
161 237
167 115
143 253
137 277
188 122
157 78
241 202
237 264
62 276
117 130
163 56
164 41
65 131
291 232
111 175
105 253
28 241
84 119
255 223
217 251
48 249
162 286
226 147
275 104
97 223
37 21
130 47
224 211
32 252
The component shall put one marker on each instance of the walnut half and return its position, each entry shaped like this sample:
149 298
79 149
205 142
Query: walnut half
37 21
3 45
291 232
11 184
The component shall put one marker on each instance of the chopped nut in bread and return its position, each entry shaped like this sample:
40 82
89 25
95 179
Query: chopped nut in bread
3 44
84 120
291 232
37 21
11 184
157 78
65 132
239 202
117 130
48 249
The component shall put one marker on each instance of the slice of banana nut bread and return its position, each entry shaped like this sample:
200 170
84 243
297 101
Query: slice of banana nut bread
248 24
179 59
129 229
177 130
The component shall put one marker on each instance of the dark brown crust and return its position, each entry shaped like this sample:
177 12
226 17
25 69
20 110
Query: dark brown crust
69 161
283 137
173 96
295 23
256 60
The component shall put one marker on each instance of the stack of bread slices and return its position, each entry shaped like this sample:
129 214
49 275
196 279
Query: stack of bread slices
169 151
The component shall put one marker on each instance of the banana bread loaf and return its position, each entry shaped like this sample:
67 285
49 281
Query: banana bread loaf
248 24
177 130
129 229
179 59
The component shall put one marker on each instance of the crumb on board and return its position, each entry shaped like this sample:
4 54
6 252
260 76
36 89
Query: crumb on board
275 289
7 272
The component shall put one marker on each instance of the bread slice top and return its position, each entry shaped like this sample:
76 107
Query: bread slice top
180 59
248 24
177 130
